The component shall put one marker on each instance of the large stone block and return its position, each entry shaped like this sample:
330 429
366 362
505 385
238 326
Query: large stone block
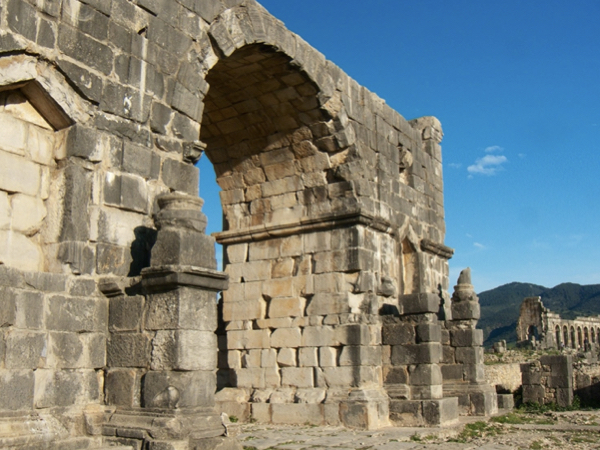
122 387
16 388
184 350
249 378
469 355
180 176
246 339
426 353
17 251
441 411
184 308
125 313
28 214
297 376
128 350
294 413
398 333
77 195
18 174
428 332
169 389
466 310
76 350
466 338
420 303
27 307
286 337
25 350
360 355
184 247
76 313
425 375
67 387
286 307
323 303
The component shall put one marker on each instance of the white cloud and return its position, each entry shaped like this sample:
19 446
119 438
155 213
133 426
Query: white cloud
479 246
455 165
488 165
494 148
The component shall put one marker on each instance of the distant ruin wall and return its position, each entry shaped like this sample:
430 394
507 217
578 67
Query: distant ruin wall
539 327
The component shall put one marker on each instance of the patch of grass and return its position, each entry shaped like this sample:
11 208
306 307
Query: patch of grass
583 438
521 417
476 430
536 445
249 448
415 438
233 419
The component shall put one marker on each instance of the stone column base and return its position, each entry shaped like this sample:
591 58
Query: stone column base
365 409
473 399
424 413
200 428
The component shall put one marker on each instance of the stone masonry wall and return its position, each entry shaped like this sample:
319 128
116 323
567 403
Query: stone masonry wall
549 380
333 213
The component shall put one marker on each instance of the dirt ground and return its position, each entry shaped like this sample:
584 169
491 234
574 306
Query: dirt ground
513 430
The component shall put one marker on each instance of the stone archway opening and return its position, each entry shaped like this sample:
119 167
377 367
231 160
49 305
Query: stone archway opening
275 151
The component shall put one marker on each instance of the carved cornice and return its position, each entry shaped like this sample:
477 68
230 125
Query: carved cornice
304 225
162 278
437 249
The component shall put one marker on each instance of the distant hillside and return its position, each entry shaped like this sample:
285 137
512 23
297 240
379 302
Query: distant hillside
500 306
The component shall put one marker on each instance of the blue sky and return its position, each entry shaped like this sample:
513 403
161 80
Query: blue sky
516 85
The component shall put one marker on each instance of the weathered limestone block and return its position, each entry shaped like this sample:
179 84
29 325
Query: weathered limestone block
249 378
246 339
420 303
123 387
354 355
67 387
19 252
185 308
398 333
76 313
425 353
328 356
286 337
128 350
184 350
466 338
287 357
170 389
308 357
289 413
286 307
76 350
18 174
125 313
17 389
297 376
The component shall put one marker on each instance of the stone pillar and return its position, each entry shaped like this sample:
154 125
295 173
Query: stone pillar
463 369
179 320
415 389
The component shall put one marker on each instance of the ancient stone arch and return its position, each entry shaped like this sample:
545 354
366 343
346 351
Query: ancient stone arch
336 276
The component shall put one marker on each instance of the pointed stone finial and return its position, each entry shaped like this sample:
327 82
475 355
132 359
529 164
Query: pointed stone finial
465 276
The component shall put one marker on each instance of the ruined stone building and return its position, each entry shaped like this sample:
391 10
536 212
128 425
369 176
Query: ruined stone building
545 329
334 304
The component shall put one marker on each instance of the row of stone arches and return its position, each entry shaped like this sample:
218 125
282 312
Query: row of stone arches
575 337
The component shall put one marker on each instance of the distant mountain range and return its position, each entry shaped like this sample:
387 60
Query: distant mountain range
500 306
